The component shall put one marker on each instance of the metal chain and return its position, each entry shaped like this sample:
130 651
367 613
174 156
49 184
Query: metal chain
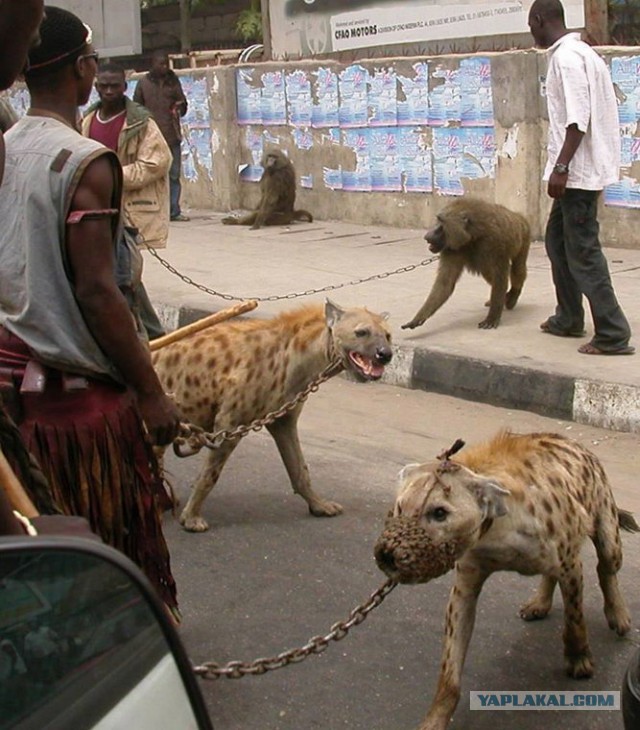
193 438
315 645
291 295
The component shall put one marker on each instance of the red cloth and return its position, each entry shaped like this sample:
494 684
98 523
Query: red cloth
107 132
92 448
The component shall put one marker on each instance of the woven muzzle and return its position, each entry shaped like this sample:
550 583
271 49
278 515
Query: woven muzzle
407 554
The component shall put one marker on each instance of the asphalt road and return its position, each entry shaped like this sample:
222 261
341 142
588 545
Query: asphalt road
267 577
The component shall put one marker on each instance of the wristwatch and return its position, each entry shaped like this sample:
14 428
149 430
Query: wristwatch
560 168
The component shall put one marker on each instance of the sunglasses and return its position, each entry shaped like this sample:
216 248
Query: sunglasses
95 55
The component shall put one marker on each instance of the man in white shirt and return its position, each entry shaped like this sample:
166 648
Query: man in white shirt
583 156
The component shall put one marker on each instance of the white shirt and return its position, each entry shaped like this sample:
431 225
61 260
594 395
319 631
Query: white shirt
580 91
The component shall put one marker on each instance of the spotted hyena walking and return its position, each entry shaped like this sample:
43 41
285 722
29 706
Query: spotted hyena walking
519 502
238 371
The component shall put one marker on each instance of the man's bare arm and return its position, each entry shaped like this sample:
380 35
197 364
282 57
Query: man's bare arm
90 252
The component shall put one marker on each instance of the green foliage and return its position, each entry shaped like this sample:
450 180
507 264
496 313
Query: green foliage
249 26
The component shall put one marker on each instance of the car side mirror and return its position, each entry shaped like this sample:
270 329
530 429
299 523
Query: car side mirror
85 643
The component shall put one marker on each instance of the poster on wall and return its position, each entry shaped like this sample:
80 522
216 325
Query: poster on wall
428 128
306 28
625 74
413 101
299 101
325 110
197 156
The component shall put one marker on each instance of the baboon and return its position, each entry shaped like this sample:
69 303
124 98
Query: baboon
277 195
486 239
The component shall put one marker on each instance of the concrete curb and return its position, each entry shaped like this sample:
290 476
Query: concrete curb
613 406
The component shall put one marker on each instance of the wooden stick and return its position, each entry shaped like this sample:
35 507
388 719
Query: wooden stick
14 490
201 324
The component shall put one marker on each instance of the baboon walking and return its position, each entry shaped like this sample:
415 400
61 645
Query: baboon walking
486 239
277 195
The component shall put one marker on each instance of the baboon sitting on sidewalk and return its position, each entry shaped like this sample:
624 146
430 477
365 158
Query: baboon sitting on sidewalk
277 195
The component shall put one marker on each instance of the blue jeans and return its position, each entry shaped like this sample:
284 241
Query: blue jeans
175 188
579 268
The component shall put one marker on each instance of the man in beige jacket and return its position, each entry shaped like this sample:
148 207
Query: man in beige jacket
129 129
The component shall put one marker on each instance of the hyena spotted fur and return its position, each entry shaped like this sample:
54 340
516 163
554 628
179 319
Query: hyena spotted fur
524 503
240 370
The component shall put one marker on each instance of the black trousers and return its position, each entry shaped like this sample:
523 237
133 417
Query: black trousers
579 268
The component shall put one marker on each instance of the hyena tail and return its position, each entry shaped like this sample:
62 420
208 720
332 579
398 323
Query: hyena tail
627 521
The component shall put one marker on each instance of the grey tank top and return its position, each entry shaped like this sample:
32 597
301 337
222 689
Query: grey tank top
45 160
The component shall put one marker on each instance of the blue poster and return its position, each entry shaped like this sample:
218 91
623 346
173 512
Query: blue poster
625 72
299 104
384 159
476 96
274 100
445 104
415 160
447 161
254 142
383 98
413 100
479 152
249 96
360 178
354 107
325 110
302 138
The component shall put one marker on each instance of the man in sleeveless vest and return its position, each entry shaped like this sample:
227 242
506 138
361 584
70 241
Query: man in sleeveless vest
88 401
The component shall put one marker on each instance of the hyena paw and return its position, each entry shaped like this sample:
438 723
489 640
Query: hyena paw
619 620
193 523
579 667
325 508
534 610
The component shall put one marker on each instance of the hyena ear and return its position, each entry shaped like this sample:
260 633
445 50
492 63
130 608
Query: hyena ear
491 498
405 475
407 472
332 313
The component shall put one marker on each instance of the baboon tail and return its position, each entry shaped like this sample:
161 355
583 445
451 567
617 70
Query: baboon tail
301 215
627 522
242 220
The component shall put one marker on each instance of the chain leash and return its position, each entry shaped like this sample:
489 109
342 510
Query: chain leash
315 645
291 295
192 438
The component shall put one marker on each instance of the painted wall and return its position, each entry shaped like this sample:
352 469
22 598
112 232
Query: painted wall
391 141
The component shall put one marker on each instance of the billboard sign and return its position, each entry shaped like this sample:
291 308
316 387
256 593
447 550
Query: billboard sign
115 24
313 27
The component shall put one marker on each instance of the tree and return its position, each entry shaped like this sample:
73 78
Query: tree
249 26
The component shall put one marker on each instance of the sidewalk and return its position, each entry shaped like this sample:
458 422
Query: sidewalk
515 366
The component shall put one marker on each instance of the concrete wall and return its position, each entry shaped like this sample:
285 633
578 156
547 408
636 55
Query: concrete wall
518 124
508 116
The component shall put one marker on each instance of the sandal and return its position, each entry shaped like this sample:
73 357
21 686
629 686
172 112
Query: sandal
548 327
589 349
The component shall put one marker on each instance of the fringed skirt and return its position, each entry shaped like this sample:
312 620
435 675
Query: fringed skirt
92 448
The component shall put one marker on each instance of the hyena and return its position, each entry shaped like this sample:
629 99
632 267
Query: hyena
524 503
238 371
